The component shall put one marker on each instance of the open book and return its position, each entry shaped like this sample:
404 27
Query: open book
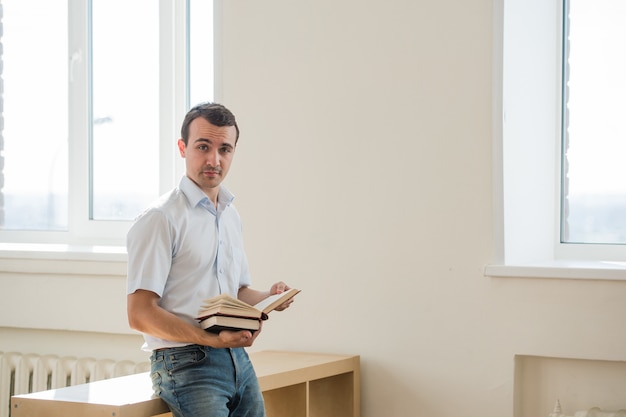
225 312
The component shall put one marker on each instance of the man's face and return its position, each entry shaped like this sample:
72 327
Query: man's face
208 154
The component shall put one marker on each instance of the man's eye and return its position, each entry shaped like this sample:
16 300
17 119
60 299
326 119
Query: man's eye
203 147
226 150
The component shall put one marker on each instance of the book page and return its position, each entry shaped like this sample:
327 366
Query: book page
225 300
275 300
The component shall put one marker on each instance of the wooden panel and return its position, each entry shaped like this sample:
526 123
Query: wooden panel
288 401
332 396
131 394
277 369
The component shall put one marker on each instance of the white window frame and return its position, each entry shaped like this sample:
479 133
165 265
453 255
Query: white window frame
173 98
527 151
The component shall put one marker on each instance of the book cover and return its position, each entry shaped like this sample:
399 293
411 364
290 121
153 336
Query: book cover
216 324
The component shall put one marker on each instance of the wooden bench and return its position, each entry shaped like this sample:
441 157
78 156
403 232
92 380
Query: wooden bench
294 384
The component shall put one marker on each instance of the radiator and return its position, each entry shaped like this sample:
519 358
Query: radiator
26 373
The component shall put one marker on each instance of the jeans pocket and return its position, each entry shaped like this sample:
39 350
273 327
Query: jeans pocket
179 359
156 382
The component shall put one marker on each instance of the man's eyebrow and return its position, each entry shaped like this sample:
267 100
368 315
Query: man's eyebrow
210 142
202 140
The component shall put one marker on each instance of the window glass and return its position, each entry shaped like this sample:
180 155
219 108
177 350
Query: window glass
594 132
34 135
125 123
201 51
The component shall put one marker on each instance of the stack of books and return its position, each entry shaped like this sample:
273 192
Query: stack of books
225 312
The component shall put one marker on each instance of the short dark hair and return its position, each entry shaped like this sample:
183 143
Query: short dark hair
214 113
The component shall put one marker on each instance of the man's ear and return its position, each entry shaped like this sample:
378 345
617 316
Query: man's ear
181 147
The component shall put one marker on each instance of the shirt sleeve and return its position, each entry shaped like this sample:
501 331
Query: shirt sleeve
244 278
149 247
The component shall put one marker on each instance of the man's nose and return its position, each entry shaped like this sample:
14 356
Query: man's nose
213 158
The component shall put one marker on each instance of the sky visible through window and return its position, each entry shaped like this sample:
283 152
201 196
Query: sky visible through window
596 134
34 73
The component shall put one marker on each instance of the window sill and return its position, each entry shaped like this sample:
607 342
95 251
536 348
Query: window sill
63 259
591 270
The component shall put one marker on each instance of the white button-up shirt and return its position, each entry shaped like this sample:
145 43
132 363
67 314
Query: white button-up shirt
186 250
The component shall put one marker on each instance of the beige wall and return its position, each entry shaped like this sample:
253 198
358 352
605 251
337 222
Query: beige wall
364 177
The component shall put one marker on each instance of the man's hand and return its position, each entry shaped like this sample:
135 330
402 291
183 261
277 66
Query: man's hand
279 288
252 296
241 338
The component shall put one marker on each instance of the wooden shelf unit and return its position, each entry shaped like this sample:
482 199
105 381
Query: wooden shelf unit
294 384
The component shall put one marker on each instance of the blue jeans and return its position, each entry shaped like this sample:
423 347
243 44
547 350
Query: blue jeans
200 381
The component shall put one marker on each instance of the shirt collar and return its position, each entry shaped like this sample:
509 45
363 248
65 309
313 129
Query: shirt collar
196 196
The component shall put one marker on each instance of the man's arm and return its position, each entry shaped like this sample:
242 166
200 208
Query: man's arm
146 316
252 296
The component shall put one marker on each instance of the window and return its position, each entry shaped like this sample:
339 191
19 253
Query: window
594 135
92 106
528 46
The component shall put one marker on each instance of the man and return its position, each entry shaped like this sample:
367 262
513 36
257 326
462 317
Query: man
184 249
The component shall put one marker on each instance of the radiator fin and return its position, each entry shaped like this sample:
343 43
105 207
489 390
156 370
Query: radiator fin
26 373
